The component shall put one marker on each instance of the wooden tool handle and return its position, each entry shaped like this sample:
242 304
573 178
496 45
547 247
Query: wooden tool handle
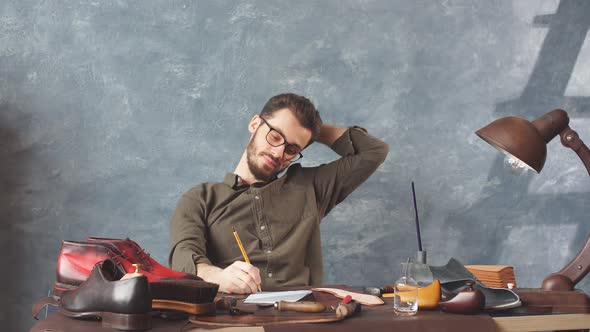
301 306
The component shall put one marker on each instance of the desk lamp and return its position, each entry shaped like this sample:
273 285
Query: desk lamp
525 145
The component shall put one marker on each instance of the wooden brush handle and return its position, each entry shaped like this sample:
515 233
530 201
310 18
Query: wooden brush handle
347 309
301 306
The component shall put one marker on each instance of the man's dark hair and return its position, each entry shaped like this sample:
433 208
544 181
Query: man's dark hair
301 107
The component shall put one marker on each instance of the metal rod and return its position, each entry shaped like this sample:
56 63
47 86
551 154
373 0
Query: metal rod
417 219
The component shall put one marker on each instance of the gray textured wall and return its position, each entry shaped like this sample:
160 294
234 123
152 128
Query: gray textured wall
110 110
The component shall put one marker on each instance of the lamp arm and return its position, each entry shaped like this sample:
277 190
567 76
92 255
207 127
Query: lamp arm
584 154
576 270
570 139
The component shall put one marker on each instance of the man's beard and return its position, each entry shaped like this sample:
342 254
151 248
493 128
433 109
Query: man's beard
260 173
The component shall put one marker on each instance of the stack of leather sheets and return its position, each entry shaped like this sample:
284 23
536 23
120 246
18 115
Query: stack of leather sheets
498 276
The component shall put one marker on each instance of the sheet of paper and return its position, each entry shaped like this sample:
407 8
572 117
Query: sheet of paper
272 297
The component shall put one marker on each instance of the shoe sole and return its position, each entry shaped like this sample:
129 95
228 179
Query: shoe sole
126 322
158 304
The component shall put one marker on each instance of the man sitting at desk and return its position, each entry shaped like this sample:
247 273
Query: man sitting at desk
277 218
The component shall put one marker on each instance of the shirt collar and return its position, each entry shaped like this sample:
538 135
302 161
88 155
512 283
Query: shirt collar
235 181
232 180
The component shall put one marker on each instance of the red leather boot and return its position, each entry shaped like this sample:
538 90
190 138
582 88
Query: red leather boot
76 260
134 253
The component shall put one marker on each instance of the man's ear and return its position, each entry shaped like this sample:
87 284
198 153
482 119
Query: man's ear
254 123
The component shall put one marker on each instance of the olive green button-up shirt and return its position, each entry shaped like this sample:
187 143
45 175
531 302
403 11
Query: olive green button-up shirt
278 222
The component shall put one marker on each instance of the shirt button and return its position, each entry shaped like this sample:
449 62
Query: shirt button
262 227
270 275
256 197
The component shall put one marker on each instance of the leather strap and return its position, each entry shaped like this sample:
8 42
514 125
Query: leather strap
256 320
42 303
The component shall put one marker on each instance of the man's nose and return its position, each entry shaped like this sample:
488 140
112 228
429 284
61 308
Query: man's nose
278 151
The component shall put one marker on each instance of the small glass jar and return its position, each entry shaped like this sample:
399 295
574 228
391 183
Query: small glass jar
405 300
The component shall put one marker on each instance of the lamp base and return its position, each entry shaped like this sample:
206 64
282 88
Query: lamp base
537 301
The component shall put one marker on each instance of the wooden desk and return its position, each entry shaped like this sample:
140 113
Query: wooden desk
57 322
543 322
375 318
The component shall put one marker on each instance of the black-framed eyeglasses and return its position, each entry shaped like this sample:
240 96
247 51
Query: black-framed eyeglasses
291 152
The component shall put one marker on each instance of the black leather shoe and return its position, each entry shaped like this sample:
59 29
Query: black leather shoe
121 304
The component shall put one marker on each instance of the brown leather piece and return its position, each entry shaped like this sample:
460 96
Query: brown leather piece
42 303
266 319
265 316
366 299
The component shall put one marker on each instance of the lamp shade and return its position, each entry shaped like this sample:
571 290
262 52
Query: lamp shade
516 137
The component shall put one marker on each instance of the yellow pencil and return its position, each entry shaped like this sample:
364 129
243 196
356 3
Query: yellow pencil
243 251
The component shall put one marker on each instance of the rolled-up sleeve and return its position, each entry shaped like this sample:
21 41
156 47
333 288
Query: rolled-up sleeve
188 229
361 156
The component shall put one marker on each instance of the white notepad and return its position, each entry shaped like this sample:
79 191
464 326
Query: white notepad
272 297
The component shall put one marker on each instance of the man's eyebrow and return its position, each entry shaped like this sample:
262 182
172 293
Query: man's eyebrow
297 146
282 134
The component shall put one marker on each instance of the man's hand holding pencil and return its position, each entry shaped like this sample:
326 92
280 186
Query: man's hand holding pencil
238 278
245 255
